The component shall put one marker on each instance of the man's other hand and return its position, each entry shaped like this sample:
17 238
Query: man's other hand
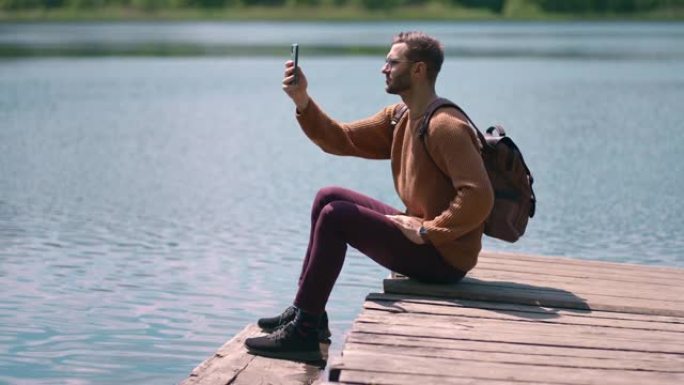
409 226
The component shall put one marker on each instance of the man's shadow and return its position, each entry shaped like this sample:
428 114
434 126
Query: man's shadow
514 298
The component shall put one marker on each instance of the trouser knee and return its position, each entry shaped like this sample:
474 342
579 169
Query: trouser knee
329 194
338 214
325 196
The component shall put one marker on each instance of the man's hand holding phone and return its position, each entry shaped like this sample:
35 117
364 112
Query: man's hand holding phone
294 82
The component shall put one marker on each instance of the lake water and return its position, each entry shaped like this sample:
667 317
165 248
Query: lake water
155 186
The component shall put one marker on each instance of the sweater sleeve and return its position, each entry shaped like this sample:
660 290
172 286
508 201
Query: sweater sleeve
366 138
453 147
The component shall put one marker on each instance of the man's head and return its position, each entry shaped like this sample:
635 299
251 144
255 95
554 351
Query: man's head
412 53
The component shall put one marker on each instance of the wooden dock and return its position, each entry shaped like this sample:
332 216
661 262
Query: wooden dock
515 319
231 364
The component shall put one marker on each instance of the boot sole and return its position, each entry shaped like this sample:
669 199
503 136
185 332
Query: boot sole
322 337
295 356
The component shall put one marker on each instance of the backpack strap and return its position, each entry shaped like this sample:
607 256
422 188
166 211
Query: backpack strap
399 113
443 102
431 109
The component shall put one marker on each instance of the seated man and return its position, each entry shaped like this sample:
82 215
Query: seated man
440 178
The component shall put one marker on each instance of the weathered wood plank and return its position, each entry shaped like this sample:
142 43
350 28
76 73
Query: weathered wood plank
392 363
268 371
583 264
582 287
654 361
384 378
522 293
226 363
538 329
231 364
551 269
586 287
561 266
564 318
518 336
535 312
513 358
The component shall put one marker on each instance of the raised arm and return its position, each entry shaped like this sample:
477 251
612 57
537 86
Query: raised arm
367 138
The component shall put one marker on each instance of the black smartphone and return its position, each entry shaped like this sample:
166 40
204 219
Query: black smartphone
295 56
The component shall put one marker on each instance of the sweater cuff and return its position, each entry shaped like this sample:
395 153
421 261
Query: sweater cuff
307 108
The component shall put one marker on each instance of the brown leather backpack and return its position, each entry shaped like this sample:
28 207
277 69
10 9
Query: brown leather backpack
514 199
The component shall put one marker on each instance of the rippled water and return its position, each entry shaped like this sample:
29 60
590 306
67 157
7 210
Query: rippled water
151 207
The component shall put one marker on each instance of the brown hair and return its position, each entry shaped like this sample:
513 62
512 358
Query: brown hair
424 48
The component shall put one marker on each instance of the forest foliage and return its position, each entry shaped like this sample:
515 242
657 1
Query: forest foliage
493 6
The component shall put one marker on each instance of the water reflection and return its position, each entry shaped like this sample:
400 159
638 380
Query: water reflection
607 41
152 207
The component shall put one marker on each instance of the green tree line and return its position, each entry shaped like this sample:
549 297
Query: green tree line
495 6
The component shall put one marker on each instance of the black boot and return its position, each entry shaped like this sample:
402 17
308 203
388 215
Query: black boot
273 323
297 340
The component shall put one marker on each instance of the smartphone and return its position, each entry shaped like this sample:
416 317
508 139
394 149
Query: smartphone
295 57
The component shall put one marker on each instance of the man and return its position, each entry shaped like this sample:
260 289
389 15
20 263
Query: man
440 178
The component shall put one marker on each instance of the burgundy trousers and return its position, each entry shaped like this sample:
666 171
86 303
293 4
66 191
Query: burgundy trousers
341 217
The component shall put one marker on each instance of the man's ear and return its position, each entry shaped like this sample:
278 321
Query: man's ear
420 68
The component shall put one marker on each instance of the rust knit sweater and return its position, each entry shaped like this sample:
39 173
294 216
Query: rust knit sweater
448 189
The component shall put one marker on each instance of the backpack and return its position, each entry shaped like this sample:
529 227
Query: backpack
514 199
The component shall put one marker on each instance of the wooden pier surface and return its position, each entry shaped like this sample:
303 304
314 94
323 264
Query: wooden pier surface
523 319
231 364
516 319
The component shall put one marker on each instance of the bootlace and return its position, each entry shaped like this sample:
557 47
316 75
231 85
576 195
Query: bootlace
282 332
287 313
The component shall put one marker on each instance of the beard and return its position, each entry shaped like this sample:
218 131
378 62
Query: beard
399 84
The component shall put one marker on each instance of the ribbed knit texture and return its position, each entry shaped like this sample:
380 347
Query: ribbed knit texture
447 189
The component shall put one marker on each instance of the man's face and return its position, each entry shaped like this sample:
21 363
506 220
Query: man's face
397 70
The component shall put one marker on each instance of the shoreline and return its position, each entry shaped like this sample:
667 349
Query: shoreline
429 12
